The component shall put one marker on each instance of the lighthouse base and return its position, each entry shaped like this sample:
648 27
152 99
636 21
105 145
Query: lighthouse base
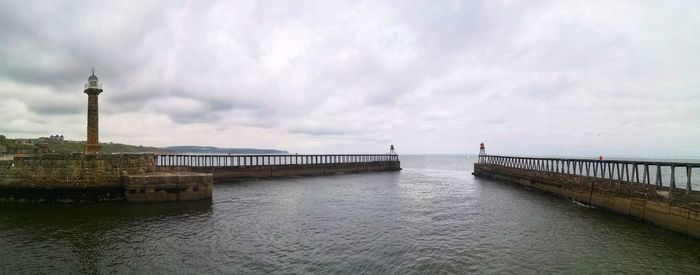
92 149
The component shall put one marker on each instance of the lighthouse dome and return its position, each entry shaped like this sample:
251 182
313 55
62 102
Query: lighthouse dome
93 82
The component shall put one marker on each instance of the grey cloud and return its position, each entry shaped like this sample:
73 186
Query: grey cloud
344 76
322 131
58 110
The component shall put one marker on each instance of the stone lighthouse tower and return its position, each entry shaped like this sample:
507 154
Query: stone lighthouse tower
93 88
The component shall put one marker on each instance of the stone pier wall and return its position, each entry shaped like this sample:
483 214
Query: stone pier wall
241 173
170 186
134 177
673 209
69 177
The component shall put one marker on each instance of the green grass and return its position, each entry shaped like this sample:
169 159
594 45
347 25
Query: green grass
69 146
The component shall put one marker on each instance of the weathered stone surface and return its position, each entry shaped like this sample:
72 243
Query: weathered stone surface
73 170
170 186
93 128
672 209
61 194
83 178
66 177
242 173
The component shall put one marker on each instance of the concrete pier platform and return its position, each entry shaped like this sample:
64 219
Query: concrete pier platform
167 186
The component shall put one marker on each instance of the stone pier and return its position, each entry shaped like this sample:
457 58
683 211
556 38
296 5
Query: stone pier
256 172
170 186
671 208
97 178
225 168
158 178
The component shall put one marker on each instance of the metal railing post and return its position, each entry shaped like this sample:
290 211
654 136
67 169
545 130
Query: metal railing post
689 171
673 177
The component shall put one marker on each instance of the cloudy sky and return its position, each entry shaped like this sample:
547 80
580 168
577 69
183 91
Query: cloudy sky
525 77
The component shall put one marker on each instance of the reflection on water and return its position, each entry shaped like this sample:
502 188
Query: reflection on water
86 237
432 217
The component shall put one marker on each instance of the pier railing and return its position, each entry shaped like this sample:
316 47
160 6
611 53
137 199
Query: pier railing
645 172
252 160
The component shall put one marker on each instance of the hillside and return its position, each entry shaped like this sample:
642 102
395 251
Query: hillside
49 145
107 148
33 146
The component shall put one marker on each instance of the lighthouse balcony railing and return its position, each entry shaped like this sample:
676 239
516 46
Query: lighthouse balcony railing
93 86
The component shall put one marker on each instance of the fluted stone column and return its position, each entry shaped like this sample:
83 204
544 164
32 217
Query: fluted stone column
93 142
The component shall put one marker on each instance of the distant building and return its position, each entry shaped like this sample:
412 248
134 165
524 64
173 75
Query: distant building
41 147
3 149
22 150
2 137
52 137
23 141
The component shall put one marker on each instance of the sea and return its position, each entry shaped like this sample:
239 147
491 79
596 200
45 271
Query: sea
433 217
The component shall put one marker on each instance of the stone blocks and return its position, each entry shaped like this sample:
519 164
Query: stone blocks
70 177
672 209
242 173
170 186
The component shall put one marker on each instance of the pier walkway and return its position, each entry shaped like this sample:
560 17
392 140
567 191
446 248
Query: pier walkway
662 193
225 168
194 160
676 175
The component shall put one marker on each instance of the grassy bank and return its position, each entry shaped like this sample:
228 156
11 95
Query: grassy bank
68 146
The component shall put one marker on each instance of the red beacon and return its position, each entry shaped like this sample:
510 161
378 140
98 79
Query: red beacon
600 157
482 152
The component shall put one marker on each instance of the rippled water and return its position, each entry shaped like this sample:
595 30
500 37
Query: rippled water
432 217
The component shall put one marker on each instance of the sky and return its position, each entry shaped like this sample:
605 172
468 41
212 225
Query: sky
525 77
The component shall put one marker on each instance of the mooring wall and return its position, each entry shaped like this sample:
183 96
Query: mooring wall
168 186
252 172
672 208
69 177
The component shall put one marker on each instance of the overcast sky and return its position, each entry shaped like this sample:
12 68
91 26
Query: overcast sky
525 77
